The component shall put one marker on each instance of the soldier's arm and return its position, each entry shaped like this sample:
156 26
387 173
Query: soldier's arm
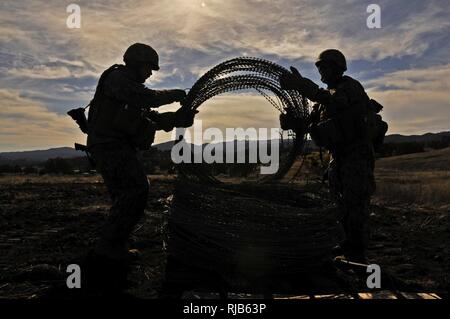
332 101
163 97
349 95
136 94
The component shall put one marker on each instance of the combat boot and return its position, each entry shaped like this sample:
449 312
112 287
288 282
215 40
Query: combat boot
103 276
357 256
341 249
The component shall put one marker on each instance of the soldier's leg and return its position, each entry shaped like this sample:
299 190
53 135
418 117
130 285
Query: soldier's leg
335 186
358 186
127 184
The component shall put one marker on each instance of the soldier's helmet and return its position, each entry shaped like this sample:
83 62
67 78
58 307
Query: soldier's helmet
142 53
334 56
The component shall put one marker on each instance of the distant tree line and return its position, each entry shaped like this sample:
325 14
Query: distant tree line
154 161
160 162
56 165
393 149
8 168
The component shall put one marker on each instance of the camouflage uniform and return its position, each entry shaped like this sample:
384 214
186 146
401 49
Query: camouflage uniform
339 122
351 167
127 184
116 156
352 183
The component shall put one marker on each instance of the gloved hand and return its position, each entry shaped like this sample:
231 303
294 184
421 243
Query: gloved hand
286 122
294 81
289 122
184 117
164 121
178 95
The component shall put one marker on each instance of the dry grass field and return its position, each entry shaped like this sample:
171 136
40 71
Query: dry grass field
415 179
53 220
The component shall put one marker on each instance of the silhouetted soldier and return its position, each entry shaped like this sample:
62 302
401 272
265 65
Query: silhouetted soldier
341 122
118 126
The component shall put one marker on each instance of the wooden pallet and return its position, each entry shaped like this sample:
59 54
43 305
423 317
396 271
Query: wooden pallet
383 294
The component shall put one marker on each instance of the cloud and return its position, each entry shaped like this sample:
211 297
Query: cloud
49 72
58 67
416 100
287 28
24 124
413 112
436 78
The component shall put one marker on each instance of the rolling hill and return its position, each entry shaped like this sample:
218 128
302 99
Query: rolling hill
37 156
434 160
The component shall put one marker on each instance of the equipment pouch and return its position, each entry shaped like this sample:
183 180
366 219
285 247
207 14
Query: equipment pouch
326 133
139 129
145 134
376 127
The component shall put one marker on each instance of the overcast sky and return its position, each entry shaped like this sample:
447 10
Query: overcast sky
47 68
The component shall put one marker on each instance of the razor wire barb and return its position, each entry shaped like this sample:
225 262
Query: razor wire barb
245 73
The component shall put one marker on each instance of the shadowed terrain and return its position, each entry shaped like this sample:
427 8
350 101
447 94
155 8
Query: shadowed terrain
48 222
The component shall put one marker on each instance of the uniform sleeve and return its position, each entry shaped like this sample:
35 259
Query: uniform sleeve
333 100
348 96
135 94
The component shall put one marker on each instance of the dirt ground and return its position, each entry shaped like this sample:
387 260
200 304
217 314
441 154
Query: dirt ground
50 222
53 221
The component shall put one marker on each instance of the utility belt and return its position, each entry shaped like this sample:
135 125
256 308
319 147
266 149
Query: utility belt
139 129
361 147
332 132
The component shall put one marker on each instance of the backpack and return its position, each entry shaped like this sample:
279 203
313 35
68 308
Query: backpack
376 127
